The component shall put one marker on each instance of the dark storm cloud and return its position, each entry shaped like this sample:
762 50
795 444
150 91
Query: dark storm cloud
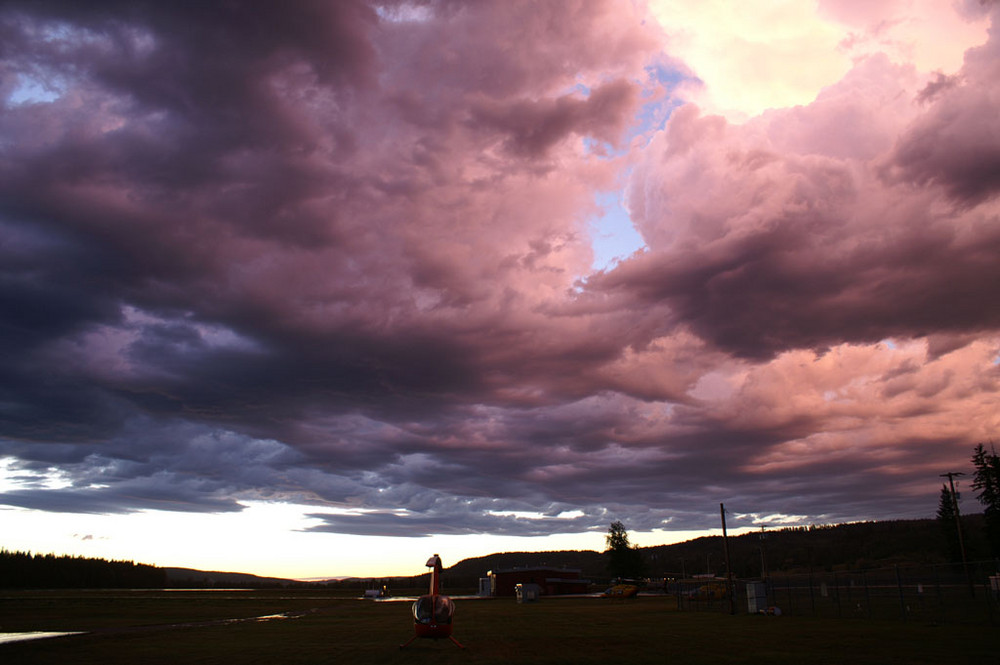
778 289
192 232
451 516
337 254
139 494
955 145
533 127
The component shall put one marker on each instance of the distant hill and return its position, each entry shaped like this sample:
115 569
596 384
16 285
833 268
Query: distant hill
211 578
794 549
465 572
838 547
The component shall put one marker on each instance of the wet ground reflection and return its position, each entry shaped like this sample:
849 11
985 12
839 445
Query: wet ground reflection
6 638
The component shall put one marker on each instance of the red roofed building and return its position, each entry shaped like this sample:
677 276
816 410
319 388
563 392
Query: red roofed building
552 581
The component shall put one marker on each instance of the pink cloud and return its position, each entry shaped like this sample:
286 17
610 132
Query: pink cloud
782 233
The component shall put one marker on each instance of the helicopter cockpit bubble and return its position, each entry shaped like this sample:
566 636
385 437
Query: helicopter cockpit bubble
434 609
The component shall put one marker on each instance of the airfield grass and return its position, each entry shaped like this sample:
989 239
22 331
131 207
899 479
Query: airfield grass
179 627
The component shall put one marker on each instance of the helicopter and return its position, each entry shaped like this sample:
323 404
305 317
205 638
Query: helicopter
433 612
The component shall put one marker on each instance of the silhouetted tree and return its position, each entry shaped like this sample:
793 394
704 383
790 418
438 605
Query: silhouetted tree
986 480
624 560
948 521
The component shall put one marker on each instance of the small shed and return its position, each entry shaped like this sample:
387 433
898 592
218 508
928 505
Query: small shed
527 593
756 597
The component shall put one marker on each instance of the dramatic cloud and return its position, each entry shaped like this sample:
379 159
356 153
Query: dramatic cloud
338 255
796 230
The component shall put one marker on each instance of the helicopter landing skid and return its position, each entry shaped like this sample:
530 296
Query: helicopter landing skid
450 637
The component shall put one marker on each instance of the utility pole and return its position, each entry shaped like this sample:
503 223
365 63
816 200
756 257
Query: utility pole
763 559
958 525
730 591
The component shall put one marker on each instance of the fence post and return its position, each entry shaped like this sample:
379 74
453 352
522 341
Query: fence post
812 596
991 595
940 594
902 600
868 595
788 589
836 592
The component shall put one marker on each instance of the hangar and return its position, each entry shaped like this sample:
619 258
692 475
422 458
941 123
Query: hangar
551 581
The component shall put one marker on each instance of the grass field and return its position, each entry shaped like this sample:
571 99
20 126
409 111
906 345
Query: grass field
191 628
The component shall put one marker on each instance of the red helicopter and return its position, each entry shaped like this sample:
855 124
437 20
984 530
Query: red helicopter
432 613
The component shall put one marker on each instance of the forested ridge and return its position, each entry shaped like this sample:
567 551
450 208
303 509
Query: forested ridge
853 546
24 570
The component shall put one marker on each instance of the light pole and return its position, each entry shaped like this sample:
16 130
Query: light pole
763 559
958 525
730 585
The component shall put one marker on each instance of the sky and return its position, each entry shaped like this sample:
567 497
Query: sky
312 289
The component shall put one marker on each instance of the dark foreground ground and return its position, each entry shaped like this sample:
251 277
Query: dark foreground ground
182 628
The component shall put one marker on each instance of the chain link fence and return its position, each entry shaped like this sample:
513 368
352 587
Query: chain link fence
934 594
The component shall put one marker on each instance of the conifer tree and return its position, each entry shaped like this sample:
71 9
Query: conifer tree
986 480
948 521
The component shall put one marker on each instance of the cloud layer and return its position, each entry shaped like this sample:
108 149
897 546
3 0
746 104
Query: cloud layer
338 254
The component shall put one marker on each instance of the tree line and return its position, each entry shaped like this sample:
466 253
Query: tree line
986 484
24 570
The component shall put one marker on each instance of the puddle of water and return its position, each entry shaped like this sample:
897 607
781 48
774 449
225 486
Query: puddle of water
6 638
410 599
38 634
